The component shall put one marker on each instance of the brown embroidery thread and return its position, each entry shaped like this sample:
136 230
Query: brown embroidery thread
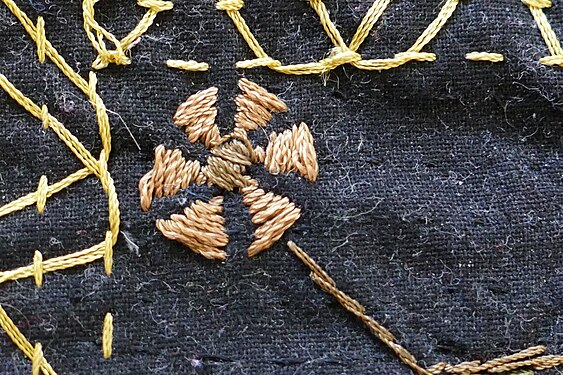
499 365
200 228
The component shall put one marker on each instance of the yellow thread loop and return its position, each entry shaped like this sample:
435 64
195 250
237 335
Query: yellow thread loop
108 253
38 268
190 65
107 336
45 117
106 57
37 360
42 190
156 5
41 39
230 5
538 3
340 56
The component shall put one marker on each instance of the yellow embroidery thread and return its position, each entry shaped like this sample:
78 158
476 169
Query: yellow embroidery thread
536 8
190 65
98 35
341 54
484 56
97 167
107 336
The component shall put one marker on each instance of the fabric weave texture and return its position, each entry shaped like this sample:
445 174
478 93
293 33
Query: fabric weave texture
438 205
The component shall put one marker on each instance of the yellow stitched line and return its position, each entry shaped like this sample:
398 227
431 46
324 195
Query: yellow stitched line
19 339
32 198
484 56
536 8
38 268
97 34
341 54
190 65
94 166
37 360
107 336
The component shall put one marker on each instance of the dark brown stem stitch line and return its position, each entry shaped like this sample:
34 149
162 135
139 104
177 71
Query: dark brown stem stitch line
531 358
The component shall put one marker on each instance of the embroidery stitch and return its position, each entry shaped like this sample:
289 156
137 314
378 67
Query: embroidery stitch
484 56
201 227
536 8
190 65
97 167
107 336
499 365
341 54
118 56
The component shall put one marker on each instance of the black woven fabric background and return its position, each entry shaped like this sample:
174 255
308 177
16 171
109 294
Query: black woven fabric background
438 204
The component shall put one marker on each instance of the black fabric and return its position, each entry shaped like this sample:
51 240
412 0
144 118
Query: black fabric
438 204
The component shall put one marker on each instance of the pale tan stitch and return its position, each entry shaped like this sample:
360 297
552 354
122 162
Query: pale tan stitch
41 39
536 8
38 268
107 336
170 174
37 360
255 106
341 53
197 115
292 150
484 56
499 365
97 167
272 213
201 228
190 65
236 151
42 191
98 35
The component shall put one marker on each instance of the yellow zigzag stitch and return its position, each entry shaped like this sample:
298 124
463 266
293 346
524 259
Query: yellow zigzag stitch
536 7
97 33
95 166
341 54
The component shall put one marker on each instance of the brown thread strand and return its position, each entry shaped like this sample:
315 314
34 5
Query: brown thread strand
170 174
495 366
292 151
197 116
200 228
274 215
353 306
